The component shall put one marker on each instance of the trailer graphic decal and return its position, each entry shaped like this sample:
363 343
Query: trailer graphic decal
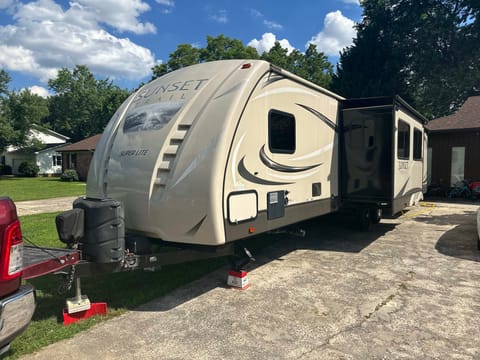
247 175
280 167
151 117
322 117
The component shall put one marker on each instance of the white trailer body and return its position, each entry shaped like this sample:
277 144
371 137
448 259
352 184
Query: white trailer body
220 151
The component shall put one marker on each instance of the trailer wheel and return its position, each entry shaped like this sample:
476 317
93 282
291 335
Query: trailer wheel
375 215
364 219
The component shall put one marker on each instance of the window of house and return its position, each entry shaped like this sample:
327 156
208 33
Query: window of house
403 140
417 144
72 160
57 160
281 132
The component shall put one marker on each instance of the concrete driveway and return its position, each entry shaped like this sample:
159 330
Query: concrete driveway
408 290
46 205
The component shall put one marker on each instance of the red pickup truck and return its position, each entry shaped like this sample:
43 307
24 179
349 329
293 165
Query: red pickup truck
17 301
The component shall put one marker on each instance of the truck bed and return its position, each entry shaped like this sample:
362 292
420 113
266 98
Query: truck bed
38 261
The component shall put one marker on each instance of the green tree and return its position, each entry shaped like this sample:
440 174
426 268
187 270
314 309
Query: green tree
277 56
22 110
224 48
312 65
82 105
424 50
18 112
6 131
218 48
4 81
184 55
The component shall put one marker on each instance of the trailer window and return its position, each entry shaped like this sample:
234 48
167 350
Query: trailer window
403 140
417 144
281 132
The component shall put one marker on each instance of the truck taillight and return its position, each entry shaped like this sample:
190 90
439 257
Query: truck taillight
11 242
14 252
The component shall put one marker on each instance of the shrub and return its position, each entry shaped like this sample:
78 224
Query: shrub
69 175
29 169
5 170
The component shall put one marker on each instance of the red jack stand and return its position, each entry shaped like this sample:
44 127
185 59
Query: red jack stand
238 280
79 307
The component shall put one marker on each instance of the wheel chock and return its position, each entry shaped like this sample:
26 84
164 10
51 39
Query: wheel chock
238 280
80 307
95 309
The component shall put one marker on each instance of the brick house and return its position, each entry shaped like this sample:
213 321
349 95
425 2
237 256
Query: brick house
78 155
454 145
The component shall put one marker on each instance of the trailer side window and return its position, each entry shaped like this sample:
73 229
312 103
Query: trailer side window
281 132
417 144
403 140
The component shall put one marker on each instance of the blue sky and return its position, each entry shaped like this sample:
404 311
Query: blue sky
123 39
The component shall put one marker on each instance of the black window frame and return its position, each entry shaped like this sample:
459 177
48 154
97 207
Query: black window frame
291 142
403 153
417 144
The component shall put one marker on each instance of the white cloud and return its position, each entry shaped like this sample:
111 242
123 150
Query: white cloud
169 3
356 2
272 25
267 41
39 90
5 4
46 38
338 32
221 16
120 14
255 13
268 23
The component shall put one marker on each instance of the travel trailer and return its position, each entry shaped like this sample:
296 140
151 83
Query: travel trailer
221 151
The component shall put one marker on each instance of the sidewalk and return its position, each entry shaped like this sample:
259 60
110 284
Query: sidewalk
45 205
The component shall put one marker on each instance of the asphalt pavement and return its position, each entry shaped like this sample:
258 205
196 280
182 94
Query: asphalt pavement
409 289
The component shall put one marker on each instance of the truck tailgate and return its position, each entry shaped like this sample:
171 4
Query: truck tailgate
38 261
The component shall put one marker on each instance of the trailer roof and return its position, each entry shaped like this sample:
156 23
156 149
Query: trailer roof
383 101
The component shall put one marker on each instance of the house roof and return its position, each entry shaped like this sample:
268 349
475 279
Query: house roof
49 132
466 118
88 144
50 148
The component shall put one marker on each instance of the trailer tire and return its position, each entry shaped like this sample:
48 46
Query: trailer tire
364 219
375 215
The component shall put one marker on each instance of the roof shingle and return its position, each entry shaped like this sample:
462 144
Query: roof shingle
87 144
466 118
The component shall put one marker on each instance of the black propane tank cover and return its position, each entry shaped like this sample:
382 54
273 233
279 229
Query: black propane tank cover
104 239
70 226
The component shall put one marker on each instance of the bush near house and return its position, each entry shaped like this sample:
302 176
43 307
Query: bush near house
5 170
29 169
70 175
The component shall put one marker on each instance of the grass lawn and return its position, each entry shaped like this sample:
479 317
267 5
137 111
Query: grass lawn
122 291
21 189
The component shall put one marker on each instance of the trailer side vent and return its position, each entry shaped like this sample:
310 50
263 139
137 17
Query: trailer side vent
170 154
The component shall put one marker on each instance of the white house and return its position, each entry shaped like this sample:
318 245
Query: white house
48 159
